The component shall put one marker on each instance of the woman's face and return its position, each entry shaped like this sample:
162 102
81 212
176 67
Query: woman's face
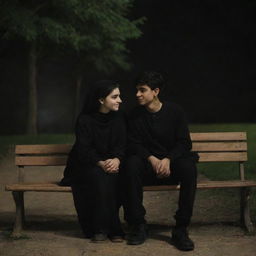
111 102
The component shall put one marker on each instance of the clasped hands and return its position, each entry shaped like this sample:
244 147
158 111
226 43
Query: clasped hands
110 165
160 166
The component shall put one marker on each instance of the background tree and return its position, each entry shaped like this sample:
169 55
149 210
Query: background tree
111 29
96 30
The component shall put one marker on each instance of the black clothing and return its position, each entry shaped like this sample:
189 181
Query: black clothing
137 235
96 193
162 134
98 137
181 240
98 202
139 172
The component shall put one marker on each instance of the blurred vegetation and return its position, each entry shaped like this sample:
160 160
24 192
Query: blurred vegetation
93 32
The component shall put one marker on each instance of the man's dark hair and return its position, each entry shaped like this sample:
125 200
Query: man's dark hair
152 79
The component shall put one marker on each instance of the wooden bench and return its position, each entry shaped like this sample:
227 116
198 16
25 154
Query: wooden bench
211 147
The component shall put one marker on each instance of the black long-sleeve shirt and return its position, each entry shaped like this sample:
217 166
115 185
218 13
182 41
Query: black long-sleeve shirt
162 134
98 137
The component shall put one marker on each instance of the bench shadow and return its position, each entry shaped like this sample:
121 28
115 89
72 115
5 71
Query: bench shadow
60 225
156 230
68 226
6 220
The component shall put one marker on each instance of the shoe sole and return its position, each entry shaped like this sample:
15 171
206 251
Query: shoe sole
116 240
135 242
98 241
181 248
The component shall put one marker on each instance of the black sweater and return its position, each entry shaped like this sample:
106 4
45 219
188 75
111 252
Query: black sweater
98 137
162 134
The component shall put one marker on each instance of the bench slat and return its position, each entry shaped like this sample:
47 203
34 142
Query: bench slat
65 148
218 136
40 160
223 157
219 146
43 149
54 187
206 185
61 160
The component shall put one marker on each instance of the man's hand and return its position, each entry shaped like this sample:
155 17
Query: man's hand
110 165
160 167
163 168
154 162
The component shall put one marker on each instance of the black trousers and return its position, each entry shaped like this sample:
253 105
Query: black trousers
97 202
139 172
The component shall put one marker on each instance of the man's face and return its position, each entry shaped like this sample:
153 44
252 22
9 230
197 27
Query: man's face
145 94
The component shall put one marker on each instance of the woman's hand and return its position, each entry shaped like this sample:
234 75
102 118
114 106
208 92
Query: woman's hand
110 165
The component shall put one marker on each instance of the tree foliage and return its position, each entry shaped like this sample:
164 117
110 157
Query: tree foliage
95 32
98 29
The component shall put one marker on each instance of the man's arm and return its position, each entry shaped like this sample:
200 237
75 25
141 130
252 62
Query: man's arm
135 141
182 137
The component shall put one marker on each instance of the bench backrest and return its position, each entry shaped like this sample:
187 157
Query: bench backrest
211 147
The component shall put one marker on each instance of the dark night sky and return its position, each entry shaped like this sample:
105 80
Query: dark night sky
206 41
205 49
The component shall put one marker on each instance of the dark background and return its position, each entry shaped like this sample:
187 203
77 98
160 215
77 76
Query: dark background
204 49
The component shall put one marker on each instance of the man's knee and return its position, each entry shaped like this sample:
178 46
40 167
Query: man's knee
185 168
133 166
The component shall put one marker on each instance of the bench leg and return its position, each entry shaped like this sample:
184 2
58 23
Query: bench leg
245 210
18 197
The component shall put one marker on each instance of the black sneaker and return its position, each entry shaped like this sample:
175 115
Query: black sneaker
181 240
137 235
99 237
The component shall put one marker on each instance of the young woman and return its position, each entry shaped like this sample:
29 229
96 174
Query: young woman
94 163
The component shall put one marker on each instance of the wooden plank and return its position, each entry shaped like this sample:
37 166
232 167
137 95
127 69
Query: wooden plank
54 187
61 160
40 187
65 148
223 157
43 149
218 136
205 185
40 160
219 146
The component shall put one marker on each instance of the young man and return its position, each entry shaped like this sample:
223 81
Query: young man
159 153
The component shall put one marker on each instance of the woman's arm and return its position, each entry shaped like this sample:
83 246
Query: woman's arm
86 152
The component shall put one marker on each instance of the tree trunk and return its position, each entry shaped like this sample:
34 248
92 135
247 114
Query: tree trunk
32 99
79 80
